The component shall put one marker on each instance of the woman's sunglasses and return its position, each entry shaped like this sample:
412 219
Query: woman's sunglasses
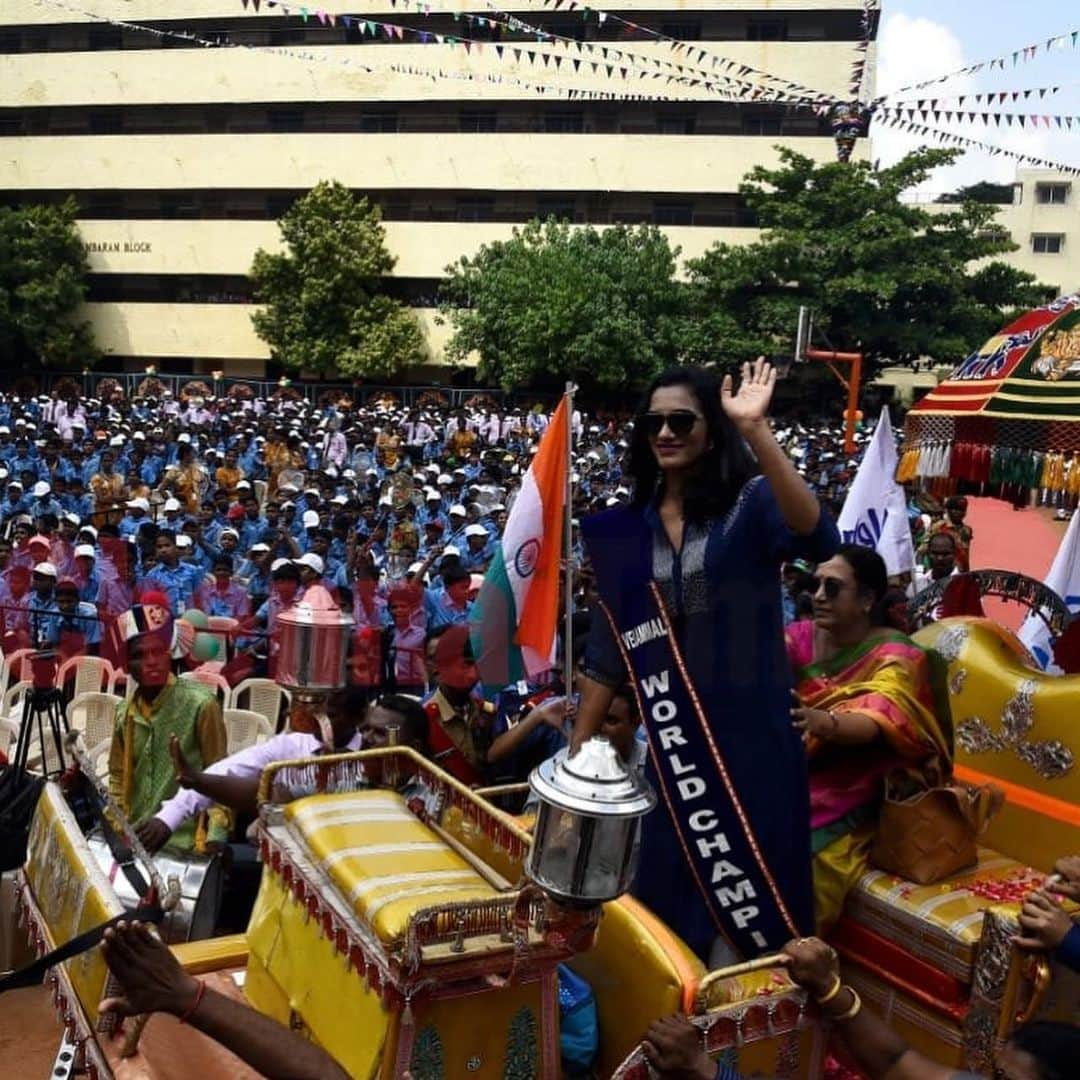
680 423
833 586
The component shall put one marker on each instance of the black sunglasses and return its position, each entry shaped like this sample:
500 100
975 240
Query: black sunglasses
680 422
833 586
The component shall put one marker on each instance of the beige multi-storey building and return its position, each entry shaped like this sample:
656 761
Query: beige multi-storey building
182 155
1044 222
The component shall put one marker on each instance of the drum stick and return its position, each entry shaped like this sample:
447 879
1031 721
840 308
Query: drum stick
168 896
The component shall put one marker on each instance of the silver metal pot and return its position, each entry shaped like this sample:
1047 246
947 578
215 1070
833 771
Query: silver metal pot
313 647
585 842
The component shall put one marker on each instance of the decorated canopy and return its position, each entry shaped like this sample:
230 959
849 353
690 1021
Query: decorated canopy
1021 390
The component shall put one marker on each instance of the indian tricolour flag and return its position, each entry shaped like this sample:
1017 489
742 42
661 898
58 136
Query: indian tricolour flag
514 621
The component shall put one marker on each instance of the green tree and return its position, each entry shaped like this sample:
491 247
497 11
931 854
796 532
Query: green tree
553 303
983 192
43 271
325 310
889 277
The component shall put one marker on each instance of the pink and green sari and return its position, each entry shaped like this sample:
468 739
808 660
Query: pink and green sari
888 678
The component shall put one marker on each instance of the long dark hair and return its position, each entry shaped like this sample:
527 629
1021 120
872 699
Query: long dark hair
723 469
871 577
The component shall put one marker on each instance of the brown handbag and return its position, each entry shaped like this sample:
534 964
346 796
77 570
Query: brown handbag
926 834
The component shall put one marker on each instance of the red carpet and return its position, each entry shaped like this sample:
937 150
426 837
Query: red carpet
1008 539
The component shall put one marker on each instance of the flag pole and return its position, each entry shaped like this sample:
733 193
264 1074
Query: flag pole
568 576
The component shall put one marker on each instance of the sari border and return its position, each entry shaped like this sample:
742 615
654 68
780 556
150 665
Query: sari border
721 765
839 661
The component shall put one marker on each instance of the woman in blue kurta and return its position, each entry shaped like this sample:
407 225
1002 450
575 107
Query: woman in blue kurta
690 612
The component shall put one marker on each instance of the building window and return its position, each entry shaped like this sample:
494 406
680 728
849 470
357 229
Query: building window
1052 194
379 123
474 123
285 120
675 124
107 122
478 208
103 36
1048 243
766 29
560 207
761 125
673 213
564 123
682 30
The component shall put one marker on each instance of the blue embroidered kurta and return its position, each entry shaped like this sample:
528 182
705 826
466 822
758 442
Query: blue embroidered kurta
722 590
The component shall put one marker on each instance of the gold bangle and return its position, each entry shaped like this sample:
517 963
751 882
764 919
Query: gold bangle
856 1005
833 990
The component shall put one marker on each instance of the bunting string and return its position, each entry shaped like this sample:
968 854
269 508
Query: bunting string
690 49
948 138
572 93
993 97
1023 55
998 119
379 29
868 21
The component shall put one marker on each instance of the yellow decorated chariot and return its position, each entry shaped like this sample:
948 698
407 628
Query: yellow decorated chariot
412 929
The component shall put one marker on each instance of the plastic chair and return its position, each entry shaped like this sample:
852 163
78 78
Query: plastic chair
9 730
16 668
93 674
264 696
244 728
94 714
217 683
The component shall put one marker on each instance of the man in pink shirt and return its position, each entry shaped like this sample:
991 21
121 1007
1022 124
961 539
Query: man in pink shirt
234 781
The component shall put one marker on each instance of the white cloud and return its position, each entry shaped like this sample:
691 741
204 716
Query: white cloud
911 50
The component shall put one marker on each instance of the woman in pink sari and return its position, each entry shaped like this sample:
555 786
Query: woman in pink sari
866 706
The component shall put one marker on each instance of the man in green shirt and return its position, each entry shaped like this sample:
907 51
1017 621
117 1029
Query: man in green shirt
141 774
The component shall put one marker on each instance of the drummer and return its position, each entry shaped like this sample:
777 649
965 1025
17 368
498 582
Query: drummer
162 709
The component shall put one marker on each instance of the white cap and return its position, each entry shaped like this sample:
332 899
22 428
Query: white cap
139 504
311 519
277 564
85 551
386 501
260 547
430 493
183 540
41 489
89 529
183 437
313 561
15 483
243 484
475 530
45 568
444 478
171 505
450 550
229 532
117 440
72 517
340 500
457 510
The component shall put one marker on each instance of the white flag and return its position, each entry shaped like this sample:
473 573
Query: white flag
1064 579
875 511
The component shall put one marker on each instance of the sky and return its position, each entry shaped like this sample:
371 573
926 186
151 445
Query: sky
921 39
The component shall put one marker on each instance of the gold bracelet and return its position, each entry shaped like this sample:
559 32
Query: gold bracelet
833 990
851 1013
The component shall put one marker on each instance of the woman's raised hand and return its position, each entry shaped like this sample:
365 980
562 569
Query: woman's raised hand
750 403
